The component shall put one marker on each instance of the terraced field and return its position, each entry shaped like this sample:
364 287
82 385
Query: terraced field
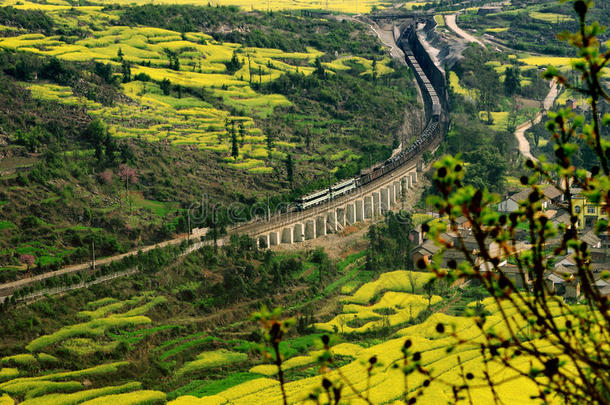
205 369
362 6
72 386
173 114
387 382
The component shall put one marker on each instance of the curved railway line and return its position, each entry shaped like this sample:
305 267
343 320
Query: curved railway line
365 196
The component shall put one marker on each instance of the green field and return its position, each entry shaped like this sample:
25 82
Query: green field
387 383
156 116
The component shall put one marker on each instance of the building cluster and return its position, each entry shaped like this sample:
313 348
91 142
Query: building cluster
561 276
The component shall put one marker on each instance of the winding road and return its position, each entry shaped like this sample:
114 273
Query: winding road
524 145
450 21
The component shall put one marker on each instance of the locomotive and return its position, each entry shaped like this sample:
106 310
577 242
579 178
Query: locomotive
431 131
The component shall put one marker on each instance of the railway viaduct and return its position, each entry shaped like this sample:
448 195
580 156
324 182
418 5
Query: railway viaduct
365 203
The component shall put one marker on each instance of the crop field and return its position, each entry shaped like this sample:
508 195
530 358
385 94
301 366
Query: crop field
496 29
499 119
129 398
27 359
398 281
394 308
387 383
96 327
547 60
175 115
343 6
204 368
212 359
7 373
82 340
454 82
550 17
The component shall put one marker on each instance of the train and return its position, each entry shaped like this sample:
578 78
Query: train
431 131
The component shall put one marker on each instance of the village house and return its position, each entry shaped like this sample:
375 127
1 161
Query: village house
587 212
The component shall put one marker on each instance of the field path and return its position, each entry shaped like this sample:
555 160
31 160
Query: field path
7 289
450 21
524 145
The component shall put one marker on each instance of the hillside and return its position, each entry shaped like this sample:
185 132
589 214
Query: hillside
467 266
128 115
182 331
181 334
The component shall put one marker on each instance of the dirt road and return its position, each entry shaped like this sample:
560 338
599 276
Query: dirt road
7 288
450 21
524 145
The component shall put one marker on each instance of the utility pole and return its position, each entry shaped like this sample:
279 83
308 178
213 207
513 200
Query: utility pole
403 192
215 236
268 209
188 221
249 69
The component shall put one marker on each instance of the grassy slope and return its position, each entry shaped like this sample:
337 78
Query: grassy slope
192 310
193 346
56 202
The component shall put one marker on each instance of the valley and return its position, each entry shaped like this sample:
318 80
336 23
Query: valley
301 202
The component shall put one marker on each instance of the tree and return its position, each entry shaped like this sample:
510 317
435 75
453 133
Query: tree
104 71
55 70
572 365
234 64
166 86
242 134
106 176
319 68
28 260
488 85
126 70
512 82
234 145
174 59
374 68
129 176
289 169
487 168
269 140
119 54
373 250
483 78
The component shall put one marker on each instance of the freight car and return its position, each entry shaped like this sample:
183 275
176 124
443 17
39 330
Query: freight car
429 134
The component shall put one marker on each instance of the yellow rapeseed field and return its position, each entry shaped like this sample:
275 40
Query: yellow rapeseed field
155 116
550 17
558 61
387 382
344 6
391 281
399 307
